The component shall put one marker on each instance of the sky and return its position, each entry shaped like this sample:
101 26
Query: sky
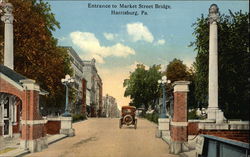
119 42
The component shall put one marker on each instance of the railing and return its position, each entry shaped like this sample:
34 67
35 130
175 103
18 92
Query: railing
214 146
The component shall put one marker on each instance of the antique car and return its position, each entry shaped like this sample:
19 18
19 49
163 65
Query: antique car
128 116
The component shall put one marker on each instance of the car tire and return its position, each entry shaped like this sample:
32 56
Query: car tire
135 126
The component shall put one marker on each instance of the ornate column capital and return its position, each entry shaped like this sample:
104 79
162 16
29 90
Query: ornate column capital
213 13
7 17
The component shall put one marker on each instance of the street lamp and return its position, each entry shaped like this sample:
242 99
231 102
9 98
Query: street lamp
163 83
67 81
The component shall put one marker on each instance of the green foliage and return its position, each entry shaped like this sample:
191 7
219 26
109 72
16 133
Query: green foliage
153 117
234 63
177 71
79 117
37 55
142 86
192 115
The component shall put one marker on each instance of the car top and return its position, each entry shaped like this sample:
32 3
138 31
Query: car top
128 107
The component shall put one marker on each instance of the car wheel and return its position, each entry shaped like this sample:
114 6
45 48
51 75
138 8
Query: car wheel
135 123
120 123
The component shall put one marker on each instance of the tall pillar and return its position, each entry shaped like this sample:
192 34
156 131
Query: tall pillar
213 110
8 18
179 122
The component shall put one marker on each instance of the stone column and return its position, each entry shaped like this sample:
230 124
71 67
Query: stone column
8 18
213 110
179 122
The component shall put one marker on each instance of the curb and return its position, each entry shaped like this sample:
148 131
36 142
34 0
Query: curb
57 139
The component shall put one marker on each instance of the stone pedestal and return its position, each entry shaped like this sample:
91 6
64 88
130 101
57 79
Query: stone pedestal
215 114
163 127
177 147
66 126
35 145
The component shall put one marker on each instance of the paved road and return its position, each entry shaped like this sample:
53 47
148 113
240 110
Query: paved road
103 138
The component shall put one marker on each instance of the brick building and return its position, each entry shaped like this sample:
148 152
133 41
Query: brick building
19 109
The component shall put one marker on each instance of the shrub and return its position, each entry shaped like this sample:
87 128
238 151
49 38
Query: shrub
78 117
153 117
192 115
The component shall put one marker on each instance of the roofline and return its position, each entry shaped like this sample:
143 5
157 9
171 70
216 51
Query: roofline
74 53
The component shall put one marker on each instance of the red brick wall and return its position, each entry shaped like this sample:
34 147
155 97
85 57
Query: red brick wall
238 135
6 87
31 132
193 128
179 133
16 128
180 107
32 105
53 127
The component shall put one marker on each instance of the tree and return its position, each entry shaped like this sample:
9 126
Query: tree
36 53
233 59
177 71
142 86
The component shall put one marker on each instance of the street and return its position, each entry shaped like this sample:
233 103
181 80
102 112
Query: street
102 137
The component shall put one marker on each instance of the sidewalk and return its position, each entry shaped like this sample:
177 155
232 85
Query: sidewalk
11 148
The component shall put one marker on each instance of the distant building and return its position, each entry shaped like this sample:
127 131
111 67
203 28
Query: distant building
110 108
77 66
94 88
88 85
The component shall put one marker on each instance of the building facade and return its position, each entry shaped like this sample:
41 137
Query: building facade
110 107
87 85
77 67
93 88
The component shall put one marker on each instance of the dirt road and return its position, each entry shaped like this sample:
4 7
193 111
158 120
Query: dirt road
101 137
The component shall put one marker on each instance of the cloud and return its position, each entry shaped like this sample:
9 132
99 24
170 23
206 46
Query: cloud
109 36
160 42
89 44
138 31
